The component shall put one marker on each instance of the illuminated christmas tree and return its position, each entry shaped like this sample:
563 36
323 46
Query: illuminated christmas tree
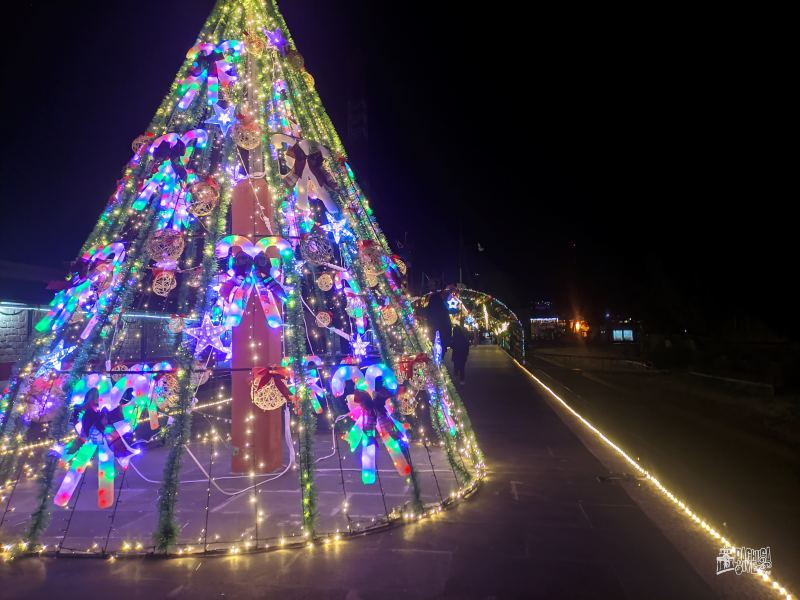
239 232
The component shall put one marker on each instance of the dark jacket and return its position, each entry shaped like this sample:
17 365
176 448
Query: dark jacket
460 345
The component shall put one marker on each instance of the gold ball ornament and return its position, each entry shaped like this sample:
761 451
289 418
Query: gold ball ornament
163 283
295 59
389 315
165 245
323 319
247 137
268 397
309 79
205 198
325 282
175 325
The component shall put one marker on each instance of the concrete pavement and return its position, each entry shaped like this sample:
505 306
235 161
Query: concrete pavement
542 526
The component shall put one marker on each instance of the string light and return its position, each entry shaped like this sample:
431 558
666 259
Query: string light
681 506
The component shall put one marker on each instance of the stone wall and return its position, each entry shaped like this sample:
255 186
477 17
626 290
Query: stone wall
14 333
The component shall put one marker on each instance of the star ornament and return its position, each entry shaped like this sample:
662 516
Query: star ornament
337 228
207 334
224 117
52 362
452 303
359 346
276 40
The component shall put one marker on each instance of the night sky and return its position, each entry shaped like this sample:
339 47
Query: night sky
606 168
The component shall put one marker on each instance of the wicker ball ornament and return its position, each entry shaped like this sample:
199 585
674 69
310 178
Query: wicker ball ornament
401 266
316 249
325 282
389 315
205 198
373 259
323 319
408 403
371 276
165 245
118 371
167 390
268 397
419 378
163 283
256 44
309 79
295 59
139 142
247 137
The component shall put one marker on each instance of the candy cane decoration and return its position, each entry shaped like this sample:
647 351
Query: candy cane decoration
253 269
372 412
101 428
313 364
172 176
95 290
356 307
144 381
210 65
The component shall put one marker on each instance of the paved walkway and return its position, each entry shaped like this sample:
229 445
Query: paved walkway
541 527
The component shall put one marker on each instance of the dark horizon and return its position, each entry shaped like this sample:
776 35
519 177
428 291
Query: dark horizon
606 170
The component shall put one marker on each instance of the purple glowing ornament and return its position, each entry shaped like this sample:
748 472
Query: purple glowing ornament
276 40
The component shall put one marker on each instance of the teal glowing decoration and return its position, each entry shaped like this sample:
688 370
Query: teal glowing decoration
213 65
93 286
371 410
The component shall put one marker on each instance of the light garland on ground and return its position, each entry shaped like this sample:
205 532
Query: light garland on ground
681 506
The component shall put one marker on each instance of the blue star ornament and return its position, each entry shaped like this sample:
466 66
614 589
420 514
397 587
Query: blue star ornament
207 334
224 117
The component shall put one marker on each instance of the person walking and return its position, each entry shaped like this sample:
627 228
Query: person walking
438 319
460 345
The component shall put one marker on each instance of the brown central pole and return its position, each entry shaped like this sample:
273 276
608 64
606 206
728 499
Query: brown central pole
254 344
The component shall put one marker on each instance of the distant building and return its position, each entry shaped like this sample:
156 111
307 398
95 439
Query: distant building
548 328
